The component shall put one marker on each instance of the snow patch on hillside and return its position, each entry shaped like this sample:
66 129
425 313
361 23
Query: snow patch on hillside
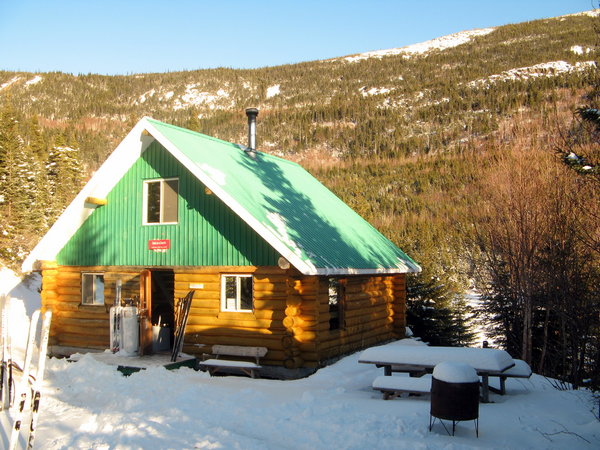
9 82
579 50
373 91
274 90
549 69
194 97
590 13
34 80
441 43
162 96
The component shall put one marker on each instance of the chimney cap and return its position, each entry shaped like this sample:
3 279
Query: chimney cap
252 112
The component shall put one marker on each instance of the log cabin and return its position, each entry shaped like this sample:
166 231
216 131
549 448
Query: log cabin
274 258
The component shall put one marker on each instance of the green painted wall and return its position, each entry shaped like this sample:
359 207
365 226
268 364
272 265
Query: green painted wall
208 232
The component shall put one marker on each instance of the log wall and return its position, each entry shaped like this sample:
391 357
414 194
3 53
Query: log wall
208 325
373 311
74 324
290 317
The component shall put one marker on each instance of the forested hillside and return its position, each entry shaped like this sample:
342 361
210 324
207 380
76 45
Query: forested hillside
411 138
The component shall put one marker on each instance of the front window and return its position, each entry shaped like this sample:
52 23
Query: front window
160 201
92 289
337 294
236 293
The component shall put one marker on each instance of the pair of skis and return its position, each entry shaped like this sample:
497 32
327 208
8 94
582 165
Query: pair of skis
6 370
182 310
29 388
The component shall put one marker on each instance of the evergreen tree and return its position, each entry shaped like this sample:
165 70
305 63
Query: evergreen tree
64 175
436 313
19 187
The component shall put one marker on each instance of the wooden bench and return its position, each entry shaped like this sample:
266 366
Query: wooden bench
520 370
248 367
392 386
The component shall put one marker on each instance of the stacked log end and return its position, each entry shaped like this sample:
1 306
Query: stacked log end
300 340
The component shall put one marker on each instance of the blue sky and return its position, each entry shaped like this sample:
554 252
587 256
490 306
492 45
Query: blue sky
133 36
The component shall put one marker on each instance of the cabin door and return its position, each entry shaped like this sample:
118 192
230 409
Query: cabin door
145 312
156 310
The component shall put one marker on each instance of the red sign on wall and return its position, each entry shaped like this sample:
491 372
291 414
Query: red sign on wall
159 244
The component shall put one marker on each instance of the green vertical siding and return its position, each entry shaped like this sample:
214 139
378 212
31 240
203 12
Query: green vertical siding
208 232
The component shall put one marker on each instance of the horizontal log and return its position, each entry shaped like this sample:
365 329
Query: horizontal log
292 311
199 295
208 286
81 314
250 324
294 300
253 341
262 285
77 340
305 336
291 352
197 278
269 278
83 330
82 322
367 312
68 290
278 305
270 296
293 363
358 328
300 321
353 304
235 332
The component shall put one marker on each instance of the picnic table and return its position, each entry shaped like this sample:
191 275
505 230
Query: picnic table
420 358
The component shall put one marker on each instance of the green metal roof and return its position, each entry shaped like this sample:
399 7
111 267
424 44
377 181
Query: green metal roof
302 219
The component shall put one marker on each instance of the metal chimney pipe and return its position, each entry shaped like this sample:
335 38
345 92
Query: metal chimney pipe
252 113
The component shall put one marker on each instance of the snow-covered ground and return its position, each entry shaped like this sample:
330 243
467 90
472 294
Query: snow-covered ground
88 404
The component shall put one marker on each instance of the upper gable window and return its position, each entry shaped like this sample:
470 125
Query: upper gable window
160 201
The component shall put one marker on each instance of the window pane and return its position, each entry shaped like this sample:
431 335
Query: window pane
153 202
170 194
87 289
99 294
230 293
334 304
245 293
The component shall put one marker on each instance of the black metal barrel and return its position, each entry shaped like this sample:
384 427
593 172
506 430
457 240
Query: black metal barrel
455 393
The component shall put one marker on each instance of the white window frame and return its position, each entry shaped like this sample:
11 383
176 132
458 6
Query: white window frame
238 300
96 301
162 196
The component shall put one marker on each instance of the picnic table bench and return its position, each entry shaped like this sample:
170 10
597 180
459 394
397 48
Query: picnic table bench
394 386
248 367
520 370
412 359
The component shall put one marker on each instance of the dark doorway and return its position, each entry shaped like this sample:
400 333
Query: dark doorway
162 308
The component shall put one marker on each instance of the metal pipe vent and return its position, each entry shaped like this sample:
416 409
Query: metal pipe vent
252 113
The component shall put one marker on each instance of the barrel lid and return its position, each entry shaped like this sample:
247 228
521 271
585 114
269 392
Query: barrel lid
455 372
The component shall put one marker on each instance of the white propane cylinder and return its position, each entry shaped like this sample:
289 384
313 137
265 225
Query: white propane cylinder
130 331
